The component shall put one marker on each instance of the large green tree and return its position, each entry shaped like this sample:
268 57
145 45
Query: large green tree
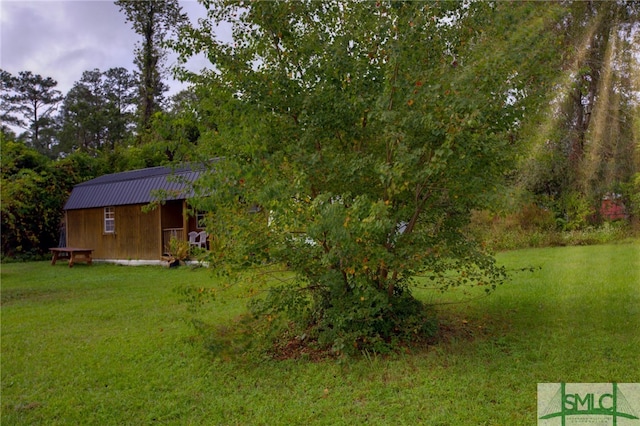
119 89
97 113
29 101
154 21
175 131
356 139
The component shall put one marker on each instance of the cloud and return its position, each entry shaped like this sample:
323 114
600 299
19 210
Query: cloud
62 39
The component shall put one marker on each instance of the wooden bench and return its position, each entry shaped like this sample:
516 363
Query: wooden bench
72 253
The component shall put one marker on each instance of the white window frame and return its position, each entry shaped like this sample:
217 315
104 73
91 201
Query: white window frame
200 216
109 220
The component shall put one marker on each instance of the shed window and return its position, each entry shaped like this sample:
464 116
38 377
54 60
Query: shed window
200 215
109 220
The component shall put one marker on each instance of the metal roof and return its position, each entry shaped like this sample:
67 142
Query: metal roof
134 187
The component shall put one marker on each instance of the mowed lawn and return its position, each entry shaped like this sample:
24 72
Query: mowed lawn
112 345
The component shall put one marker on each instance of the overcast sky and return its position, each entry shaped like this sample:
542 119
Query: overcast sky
61 39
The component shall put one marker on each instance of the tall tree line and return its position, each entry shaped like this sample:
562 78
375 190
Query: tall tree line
98 112
586 145
103 110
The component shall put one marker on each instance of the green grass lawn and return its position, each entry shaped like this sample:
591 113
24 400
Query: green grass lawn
112 345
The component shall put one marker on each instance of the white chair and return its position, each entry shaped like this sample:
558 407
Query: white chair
202 239
193 239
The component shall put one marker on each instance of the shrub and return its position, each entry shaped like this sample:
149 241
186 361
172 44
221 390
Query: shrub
517 231
178 249
607 233
535 217
356 319
631 195
575 211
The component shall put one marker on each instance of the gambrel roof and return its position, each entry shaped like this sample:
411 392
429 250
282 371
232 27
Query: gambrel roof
134 187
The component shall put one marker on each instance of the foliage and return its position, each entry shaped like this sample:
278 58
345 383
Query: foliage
97 113
153 21
25 192
16 156
631 193
29 101
605 234
535 227
582 147
178 249
366 133
135 157
577 211
533 216
34 190
175 132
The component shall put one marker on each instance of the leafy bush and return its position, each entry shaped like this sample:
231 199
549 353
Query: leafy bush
356 319
535 217
509 232
178 249
631 195
575 210
34 190
606 233
366 167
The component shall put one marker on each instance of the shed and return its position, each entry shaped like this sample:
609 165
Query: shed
106 213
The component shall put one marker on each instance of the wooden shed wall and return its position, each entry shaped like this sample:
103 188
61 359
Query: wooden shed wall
137 237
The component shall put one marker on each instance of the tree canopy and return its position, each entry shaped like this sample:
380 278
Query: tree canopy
586 144
154 21
29 101
365 133
97 113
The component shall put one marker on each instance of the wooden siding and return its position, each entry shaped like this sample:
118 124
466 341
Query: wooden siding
137 235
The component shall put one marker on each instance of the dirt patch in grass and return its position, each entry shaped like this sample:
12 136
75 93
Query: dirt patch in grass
452 327
297 348
456 327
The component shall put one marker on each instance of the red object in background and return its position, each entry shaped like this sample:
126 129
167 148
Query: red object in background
612 207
